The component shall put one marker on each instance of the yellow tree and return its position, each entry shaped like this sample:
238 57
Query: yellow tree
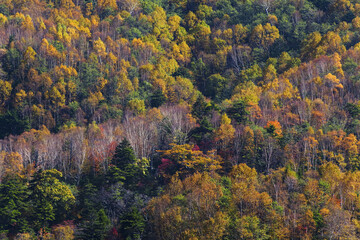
349 146
244 191
100 49
226 132
3 19
189 209
64 232
174 23
57 98
29 55
182 90
310 46
333 83
253 205
264 35
13 163
189 160
67 4
137 106
28 25
5 92
104 4
240 33
161 27
331 43
93 100
124 85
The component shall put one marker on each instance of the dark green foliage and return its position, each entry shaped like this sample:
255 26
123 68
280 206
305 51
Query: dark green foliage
215 86
4 9
87 200
14 205
353 110
89 74
124 155
202 133
11 62
319 220
126 165
200 73
238 112
14 124
350 66
157 99
201 108
353 127
114 175
321 4
132 224
97 227
58 45
30 206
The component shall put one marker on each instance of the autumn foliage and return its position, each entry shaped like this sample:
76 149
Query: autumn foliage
179 119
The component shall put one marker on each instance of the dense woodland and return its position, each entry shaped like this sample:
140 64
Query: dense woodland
179 119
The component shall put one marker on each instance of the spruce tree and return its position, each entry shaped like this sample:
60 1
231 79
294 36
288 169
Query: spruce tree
13 205
125 165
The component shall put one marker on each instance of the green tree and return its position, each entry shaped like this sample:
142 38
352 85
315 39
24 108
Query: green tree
125 165
124 155
157 99
13 124
200 108
353 109
132 224
97 227
50 198
215 87
11 61
238 112
13 205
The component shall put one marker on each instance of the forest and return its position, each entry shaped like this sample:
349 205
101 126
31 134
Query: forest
179 119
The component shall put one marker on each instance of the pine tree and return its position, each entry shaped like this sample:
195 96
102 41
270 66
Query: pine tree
132 224
13 205
238 112
124 155
97 227
126 165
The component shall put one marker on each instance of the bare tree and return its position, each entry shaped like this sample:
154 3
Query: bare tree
269 152
49 151
266 4
141 135
240 56
177 122
129 5
24 149
339 225
78 151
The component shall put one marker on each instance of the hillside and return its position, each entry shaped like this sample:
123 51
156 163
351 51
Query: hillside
179 119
